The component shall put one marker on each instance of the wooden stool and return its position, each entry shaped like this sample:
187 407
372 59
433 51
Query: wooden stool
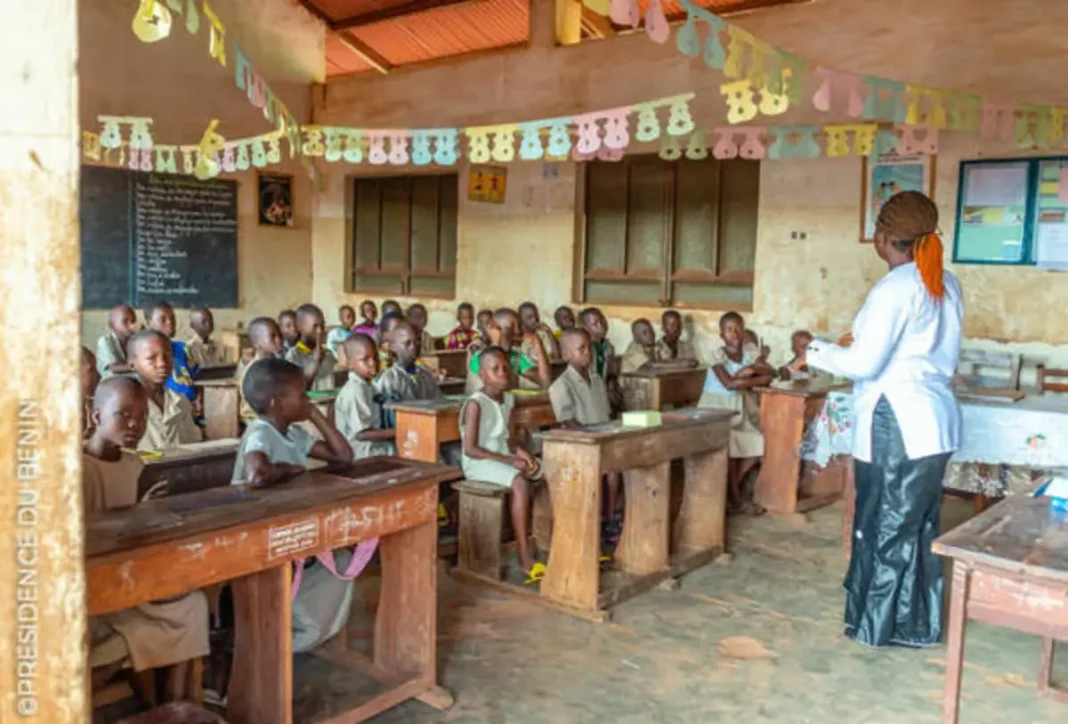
178 712
482 524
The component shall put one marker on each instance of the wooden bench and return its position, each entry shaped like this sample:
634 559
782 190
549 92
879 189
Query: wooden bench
483 525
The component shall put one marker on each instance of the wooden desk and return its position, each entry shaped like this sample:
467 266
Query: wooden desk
424 426
221 404
453 362
1010 568
651 549
654 390
784 414
250 536
190 468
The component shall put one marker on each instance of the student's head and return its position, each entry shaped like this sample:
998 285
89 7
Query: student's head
575 348
159 315
310 323
564 317
417 317
90 378
202 322
799 341
403 343
731 330
361 356
465 315
494 369
368 311
391 306
389 322
528 316
120 411
642 329
265 336
122 321
671 323
594 323
275 388
484 317
287 323
150 355
750 337
508 321
347 316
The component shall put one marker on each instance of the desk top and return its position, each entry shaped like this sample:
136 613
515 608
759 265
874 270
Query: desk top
192 452
804 388
1020 533
614 430
216 372
217 509
449 403
660 373
216 382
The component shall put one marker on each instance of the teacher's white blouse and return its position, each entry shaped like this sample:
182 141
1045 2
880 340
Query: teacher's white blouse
905 346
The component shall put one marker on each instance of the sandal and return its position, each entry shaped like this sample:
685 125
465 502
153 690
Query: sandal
536 573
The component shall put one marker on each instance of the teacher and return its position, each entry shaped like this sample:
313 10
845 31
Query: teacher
902 355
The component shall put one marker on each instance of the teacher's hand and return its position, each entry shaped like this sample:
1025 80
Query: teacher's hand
846 340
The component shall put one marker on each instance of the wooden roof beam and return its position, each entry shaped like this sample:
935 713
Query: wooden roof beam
354 45
392 13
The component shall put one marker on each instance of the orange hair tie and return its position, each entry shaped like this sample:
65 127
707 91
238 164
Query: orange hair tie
928 256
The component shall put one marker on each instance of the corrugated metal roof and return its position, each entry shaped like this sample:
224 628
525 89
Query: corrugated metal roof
454 29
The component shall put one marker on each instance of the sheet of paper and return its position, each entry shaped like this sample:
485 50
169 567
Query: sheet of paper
1003 185
1063 190
1052 249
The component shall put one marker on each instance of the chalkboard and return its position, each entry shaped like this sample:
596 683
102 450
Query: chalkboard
148 236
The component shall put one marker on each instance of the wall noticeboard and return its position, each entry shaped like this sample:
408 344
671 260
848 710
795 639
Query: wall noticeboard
148 236
993 219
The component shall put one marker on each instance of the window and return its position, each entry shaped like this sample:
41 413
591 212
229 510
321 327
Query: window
404 236
665 233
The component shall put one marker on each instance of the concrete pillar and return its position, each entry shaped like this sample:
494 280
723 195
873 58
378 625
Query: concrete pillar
42 585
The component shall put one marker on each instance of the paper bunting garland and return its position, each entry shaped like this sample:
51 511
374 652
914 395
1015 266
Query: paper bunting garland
627 12
688 39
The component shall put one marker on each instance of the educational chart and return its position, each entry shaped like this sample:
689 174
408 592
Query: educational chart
992 224
149 236
1051 215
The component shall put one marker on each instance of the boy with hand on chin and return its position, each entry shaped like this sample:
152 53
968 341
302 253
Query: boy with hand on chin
111 347
310 352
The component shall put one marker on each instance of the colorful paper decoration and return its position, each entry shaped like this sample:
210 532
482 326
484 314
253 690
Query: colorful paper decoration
210 144
738 95
925 106
838 138
656 23
598 6
91 145
217 39
1033 127
886 142
727 146
669 148
883 100
151 21
688 40
445 147
165 159
624 12
846 84
1056 131
794 142
996 120
963 112
697 147
140 136
917 140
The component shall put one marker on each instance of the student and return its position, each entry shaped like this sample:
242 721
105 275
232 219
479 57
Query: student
275 448
201 349
310 352
266 341
90 378
503 331
530 321
733 374
149 636
463 335
287 323
389 322
417 317
594 322
170 414
337 335
756 346
643 350
579 397
565 320
490 452
406 379
111 347
392 306
672 346
483 319
357 413
797 368
159 316
368 325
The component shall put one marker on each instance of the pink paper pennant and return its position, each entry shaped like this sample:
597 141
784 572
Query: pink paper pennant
725 147
821 99
752 148
656 23
917 140
624 12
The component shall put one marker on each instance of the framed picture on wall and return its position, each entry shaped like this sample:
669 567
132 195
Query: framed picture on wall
886 175
276 200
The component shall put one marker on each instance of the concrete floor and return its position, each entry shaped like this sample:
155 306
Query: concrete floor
756 640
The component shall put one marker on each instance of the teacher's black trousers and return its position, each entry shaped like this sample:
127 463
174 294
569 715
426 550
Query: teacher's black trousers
894 584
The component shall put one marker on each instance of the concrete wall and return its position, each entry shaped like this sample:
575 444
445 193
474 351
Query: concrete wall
177 83
1013 49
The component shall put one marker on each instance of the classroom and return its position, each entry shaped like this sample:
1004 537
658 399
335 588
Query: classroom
534 360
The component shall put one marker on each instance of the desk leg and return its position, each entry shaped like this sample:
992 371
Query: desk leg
643 547
702 521
261 687
573 473
782 418
220 412
955 644
406 624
